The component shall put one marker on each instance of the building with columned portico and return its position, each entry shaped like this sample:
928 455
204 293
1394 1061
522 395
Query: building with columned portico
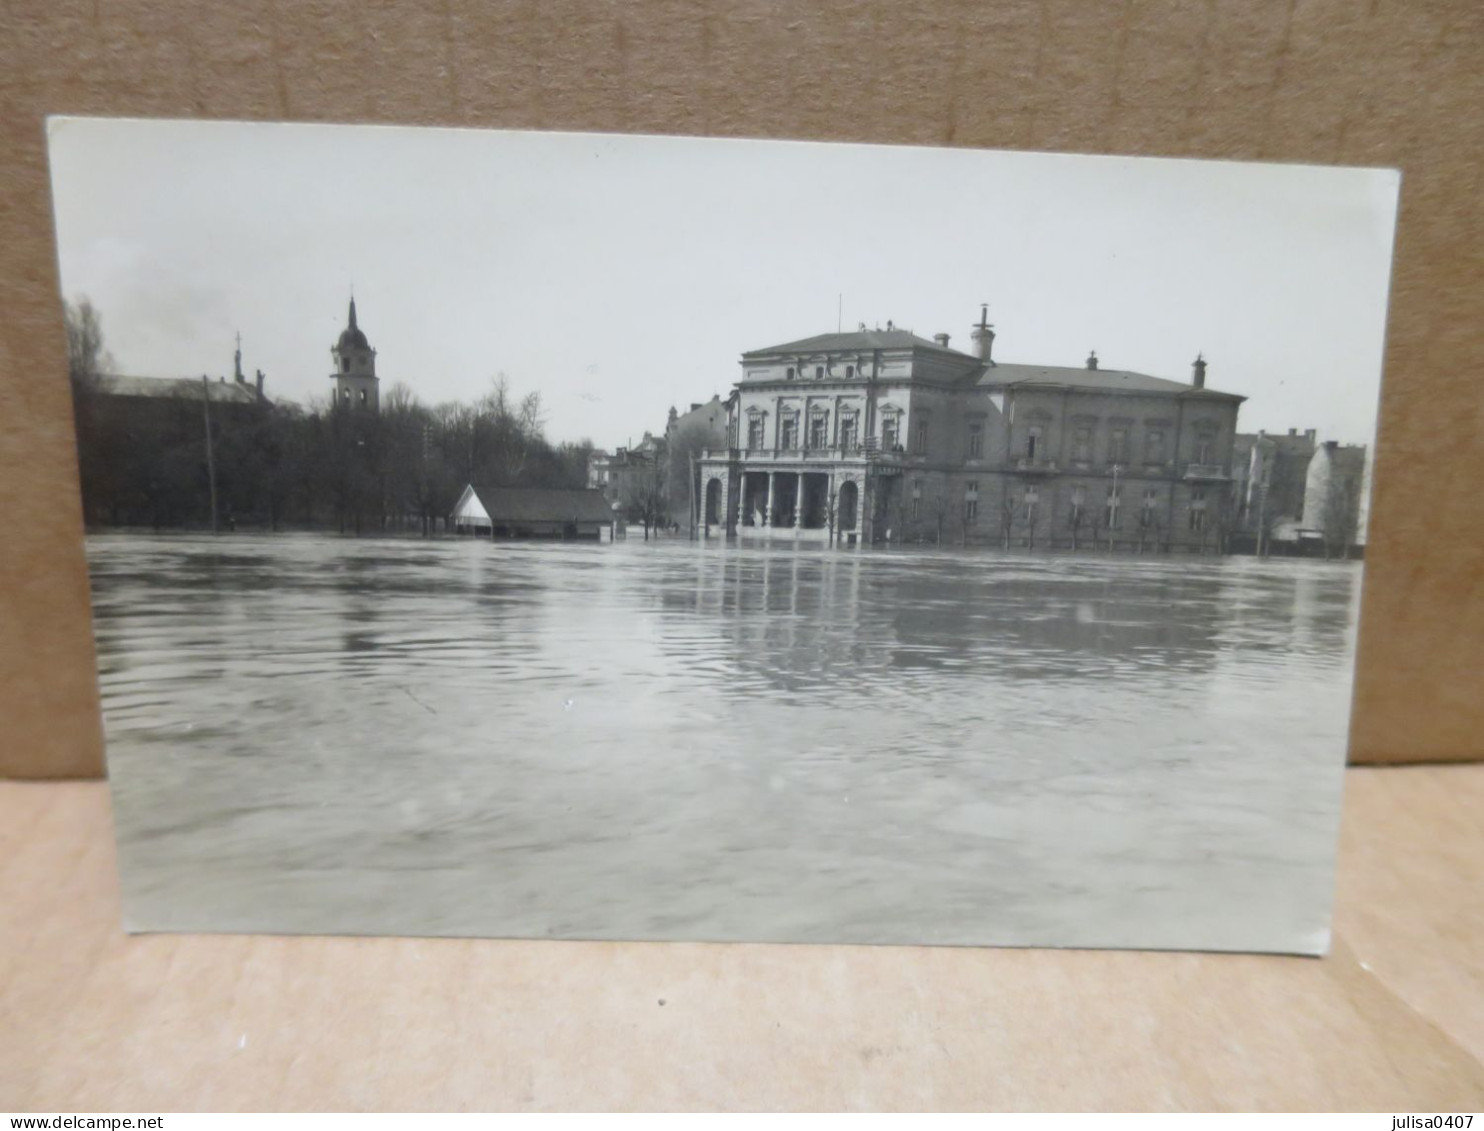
875 435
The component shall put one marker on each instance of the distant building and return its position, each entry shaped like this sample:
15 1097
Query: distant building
875 434
1335 498
154 398
531 512
621 474
1294 494
356 383
688 436
143 451
1269 473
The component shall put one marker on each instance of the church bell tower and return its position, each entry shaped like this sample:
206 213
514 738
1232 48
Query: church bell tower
356 384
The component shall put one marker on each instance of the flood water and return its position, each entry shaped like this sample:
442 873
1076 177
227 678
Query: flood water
702 741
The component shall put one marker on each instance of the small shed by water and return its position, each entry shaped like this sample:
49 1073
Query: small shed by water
532 512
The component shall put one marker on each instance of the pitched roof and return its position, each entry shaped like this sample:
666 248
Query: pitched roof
1095 380
856 340
231 392
543 504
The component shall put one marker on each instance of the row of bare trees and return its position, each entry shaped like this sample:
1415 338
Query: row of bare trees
942 518
143 461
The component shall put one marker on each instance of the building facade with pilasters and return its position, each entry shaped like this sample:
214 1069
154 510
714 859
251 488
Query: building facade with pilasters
881 435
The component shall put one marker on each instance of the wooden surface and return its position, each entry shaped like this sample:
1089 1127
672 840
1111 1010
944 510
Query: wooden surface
93 1020
1387 82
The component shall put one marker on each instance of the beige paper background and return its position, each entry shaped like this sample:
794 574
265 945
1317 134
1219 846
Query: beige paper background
1330 81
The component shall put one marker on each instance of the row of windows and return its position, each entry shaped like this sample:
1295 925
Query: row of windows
819 372
1118 439
819 433
1076 512
1118 444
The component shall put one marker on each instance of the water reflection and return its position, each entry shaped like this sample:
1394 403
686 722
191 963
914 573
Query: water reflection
711 741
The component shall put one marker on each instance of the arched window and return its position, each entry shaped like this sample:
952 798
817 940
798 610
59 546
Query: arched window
1205 446
790 372
818 372
1032 441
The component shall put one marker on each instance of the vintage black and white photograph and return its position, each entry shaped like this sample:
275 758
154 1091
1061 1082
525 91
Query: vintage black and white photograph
541 535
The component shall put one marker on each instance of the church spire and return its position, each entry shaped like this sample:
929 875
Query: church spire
352 311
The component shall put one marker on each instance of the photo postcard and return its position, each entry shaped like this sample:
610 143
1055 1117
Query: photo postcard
540 535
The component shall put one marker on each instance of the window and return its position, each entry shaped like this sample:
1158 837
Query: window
848 432
363 396
976 441
1114 502
1204 446
755 433
345 365
916 497
850 371
1154 446
1147 512
789 439
819 431
790 373
1082 445
1032 497
1032 441
1198 510
922 432
889 433
818 372
1079 501
1118 446
971 503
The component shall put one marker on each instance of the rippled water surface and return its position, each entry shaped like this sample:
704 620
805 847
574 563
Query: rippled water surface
686 741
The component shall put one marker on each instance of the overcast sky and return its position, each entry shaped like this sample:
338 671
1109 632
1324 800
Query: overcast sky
620 275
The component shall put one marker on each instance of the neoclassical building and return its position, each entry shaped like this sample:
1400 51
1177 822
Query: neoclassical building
880 434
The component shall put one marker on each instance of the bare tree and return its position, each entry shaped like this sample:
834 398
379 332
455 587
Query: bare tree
683 449
87 357
644 496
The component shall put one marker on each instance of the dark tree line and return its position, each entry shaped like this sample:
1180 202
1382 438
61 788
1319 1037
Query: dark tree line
143 460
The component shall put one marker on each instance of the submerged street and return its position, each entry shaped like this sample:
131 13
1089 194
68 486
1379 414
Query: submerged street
709 741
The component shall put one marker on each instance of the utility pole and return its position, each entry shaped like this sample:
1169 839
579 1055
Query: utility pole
691 494
210 459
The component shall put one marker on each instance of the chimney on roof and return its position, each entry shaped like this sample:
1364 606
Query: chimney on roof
237 363
1309 434
941 339
1198 378
694 405
1092 359
889 326
1293 431
260 384
983 337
